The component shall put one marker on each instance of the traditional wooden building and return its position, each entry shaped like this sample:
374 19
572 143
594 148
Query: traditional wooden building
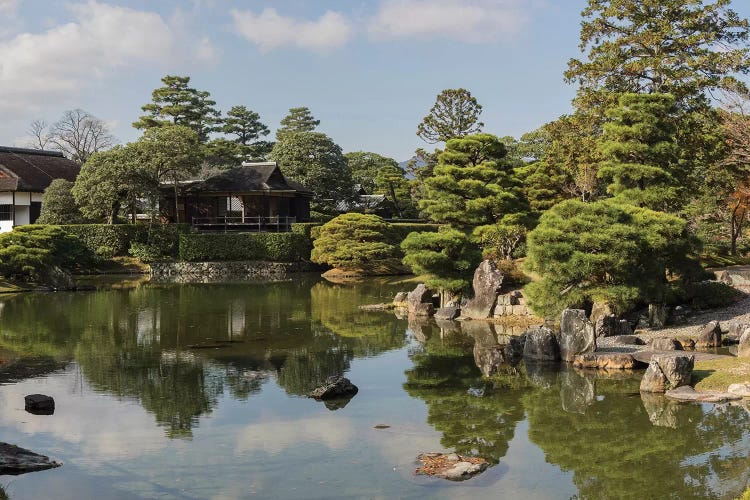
253 197
24 175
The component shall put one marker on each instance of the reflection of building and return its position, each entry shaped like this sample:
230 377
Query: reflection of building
24 175
255 196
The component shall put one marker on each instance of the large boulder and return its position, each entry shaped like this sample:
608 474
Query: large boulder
39 404
667 371
710 336
335 387
577 334
420 295
666 344
448 313
541 345
611 326
600 310
425 310
605 361
743 348
488 280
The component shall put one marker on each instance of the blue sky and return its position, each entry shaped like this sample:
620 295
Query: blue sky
368 69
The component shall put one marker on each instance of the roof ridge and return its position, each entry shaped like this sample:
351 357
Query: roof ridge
30 151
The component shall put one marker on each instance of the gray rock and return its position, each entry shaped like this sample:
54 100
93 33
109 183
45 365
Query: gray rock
400 300
664 344
541 344
605 361
688 394
424 310
667 371
39 404
420 295
710 336
743 348
736 328
15 461
626 340
576 334
448 313
611 326
487 283
600 310
335 387
657 315
740 390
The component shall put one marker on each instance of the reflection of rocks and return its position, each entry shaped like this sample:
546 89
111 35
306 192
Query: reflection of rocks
577 392
335 387
541 375
710 336
15 461
487 283
667 371
448 327
661 411
576 334
541 345
482 332
400 300
420 328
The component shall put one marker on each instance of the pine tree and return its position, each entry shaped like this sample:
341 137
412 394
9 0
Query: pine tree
298 120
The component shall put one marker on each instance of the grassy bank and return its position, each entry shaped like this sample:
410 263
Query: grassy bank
719 374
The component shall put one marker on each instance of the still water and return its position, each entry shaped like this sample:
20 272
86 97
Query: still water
198 391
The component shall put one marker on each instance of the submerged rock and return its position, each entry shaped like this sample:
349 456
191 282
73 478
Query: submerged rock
667 371
15 461
39 404
577 334
451 466
488 280
335 387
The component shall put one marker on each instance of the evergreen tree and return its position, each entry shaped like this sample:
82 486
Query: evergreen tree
455 114
176 103
247 129
472 185
298 120
59 205
640 152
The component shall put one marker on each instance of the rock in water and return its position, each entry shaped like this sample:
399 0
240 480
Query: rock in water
424 310
39 404
400 300
448 313
541 345
418 296
710 336
487 283
15 461
335 387
576 334
667 371
605 361
688 394
452 466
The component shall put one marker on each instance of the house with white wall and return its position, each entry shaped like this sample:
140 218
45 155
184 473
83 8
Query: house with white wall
24 175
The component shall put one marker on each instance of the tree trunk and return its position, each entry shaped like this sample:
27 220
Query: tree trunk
176 204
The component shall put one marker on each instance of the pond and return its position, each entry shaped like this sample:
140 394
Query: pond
198 391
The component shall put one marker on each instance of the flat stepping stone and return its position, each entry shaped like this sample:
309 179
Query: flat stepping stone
645 356
688 394
15 461
605 361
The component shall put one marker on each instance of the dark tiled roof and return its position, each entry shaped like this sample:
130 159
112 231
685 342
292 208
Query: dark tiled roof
246 179
33 170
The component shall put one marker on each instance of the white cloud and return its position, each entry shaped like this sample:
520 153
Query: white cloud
271 31
473 21
7 6
38 68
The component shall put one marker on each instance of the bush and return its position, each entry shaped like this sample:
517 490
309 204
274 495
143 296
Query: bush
120 237
400 230
500 241
606 252
58 204
356 242
710 294
31 252
281 247
305 228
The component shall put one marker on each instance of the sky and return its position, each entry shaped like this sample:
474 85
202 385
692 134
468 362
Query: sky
369 70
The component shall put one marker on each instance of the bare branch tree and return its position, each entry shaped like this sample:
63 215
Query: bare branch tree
39 135
78 135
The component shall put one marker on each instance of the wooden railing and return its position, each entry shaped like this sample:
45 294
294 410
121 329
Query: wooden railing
235 223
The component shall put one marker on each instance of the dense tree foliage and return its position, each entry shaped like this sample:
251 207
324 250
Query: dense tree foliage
298 120
59 205
472 184
355 242
448 257
176 103
378 174
640 153
313 159
604 251
246 132
455 114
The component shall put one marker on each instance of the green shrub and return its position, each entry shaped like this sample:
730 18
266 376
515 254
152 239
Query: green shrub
146 252
355 242
31 252
710 294
400 230
282 247
305 228
606 252
105 252
120 237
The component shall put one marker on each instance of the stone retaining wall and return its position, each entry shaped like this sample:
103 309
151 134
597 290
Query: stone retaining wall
217 272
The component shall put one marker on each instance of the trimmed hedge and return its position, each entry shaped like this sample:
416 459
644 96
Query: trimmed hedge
401 230
305 228
116 239
281 247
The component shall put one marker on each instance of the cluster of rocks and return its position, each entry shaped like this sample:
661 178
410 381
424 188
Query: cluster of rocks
14 460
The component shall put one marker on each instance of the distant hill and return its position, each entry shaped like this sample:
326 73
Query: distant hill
405 164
